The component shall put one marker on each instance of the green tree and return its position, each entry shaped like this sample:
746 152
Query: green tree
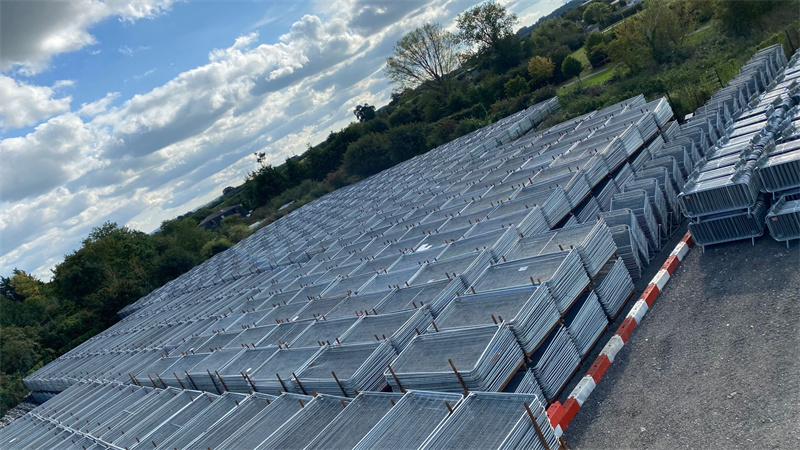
401 116
426 55
540 69
364 112
596 13
263 184
740 17
486 25
571 67
407 141
368 155
598 55
19 350
516 86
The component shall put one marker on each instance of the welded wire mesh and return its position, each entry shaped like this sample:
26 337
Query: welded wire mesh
411 421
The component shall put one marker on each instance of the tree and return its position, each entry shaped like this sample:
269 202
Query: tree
368 155
263 184
364 112
407 141
425 55
571 67
516 86
540 69
486 25
739 18
596 13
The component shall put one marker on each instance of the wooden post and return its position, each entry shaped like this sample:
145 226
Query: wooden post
339 383
536 426
396 380
297 380
458 375
152 381
449 408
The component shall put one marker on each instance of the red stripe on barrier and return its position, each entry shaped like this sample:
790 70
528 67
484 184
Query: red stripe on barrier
624 331
671 264
555 413
599 368
649 295
687 238
571 407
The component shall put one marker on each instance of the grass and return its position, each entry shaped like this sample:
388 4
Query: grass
592 80
580 55
697 37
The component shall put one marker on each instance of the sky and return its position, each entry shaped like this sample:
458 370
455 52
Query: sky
137 111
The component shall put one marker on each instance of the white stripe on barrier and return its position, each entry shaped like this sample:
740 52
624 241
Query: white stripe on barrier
660 280
613 347
638 311
680 250
583 389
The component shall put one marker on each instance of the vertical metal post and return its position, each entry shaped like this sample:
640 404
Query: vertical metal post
536 426
458 375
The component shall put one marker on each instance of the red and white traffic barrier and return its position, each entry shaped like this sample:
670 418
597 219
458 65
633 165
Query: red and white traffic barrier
561 415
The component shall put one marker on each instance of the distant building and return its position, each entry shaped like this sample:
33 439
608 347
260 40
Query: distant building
215 220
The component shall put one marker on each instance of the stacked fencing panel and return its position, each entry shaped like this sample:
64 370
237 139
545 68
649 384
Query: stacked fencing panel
727 195
443 273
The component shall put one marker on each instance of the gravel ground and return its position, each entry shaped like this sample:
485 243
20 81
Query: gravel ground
714 364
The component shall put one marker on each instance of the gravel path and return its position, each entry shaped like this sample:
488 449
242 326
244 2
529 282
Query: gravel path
714 364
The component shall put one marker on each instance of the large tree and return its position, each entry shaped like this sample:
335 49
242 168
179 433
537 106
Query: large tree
427 54
540 69
486 25
596 12
364 112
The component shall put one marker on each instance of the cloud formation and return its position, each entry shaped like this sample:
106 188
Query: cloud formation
32 32
160 153
24 104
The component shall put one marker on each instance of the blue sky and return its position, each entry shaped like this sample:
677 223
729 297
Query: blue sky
137 111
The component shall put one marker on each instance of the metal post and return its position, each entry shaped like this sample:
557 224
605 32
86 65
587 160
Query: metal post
151 381
458 375
224 386
179 380
194 386
246 378
282 383
536 426
396 380
339 383
162 381
297 380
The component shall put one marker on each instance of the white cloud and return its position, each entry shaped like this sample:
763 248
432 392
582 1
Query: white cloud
169 150
32 32
24 104
130 51
98 106
56 152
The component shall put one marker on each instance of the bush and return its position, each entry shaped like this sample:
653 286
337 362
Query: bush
597 55
516 86
407 141
368 155
401 116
